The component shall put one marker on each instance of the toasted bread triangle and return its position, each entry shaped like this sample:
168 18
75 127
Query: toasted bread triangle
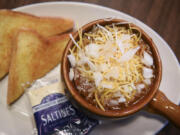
33 56
11 21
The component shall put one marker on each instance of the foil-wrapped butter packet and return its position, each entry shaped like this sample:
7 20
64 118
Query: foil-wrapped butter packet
54 113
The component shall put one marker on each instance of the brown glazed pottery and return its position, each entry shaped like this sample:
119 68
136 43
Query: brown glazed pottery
154 98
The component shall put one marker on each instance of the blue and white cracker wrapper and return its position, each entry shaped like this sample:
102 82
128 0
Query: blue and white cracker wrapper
53 112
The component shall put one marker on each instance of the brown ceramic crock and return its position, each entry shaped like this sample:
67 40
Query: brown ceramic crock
154 98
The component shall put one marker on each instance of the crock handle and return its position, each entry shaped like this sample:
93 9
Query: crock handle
165 107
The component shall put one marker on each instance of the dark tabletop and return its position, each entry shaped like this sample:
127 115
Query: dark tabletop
161 15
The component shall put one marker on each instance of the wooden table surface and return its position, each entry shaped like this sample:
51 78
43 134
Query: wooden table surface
161 15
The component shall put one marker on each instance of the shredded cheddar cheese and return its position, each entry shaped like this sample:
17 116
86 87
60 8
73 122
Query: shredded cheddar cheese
109 57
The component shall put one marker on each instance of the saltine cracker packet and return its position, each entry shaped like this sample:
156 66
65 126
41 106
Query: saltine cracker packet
53 112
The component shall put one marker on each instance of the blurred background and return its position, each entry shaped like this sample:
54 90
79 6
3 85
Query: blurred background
163 16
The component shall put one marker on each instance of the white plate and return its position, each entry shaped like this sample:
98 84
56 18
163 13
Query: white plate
12 122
